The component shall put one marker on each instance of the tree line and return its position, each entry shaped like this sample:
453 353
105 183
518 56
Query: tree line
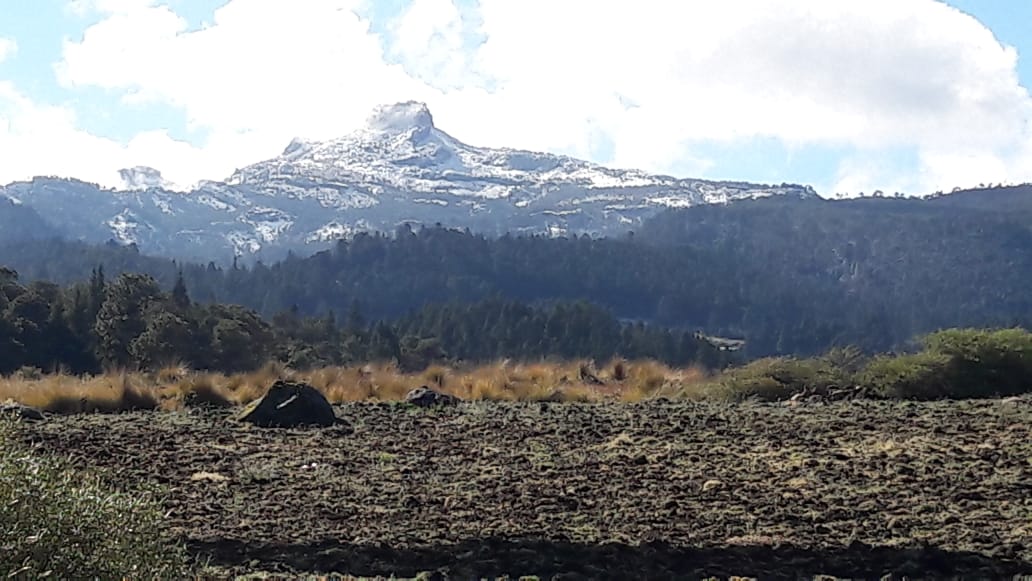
131 322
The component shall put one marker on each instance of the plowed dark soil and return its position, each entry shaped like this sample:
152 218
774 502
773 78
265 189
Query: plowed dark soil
571 491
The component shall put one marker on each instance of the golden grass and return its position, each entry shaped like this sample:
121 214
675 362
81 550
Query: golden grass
176 386
60 393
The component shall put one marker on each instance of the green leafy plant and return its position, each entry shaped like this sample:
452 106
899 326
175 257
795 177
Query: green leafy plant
63 523
779 378
957 364
917 376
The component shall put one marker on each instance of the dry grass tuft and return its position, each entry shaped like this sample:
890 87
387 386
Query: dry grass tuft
176 386
437 376
172 373
65 394
201 390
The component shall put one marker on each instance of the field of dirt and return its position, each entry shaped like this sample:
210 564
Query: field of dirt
658 490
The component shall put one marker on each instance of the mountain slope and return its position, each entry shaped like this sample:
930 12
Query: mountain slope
400 168
18 222
789 276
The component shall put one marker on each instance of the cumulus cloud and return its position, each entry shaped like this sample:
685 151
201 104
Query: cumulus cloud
8 47
46 140
33 137
263 72
867 75
429 40
639 83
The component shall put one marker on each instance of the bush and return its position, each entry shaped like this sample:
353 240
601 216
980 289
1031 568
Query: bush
66 524
985 363
779 378
918 376
957 364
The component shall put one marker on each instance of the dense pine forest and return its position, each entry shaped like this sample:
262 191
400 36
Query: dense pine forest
131 322
789 276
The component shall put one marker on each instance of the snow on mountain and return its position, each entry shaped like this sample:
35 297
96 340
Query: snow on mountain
398 168
400 152
401 149
142 178
125 227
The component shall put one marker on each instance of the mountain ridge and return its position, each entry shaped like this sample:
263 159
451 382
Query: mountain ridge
399 168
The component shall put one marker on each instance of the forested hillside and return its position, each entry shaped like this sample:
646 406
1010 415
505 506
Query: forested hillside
876 271
131 323
790 276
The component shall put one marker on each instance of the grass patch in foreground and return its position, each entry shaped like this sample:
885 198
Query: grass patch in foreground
62 523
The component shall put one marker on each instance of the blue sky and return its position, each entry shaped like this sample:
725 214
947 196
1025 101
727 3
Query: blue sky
1010 21
850 96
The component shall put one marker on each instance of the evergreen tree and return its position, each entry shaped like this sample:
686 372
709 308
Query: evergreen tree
180 297
384 344
97 291
166 339
121 317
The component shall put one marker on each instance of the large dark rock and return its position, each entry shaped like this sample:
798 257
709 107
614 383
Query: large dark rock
289 405
24 412
425 397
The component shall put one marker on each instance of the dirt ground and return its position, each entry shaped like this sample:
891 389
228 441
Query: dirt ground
658 490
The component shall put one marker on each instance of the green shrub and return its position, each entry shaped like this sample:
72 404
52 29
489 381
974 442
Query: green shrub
779 378
918 376
957 364
985 363
850 359
61 523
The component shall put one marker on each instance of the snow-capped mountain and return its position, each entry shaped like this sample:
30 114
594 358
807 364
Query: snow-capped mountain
142 178
399 168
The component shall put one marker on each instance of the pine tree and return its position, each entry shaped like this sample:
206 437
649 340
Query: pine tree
384 344
356 322
180 297
97 291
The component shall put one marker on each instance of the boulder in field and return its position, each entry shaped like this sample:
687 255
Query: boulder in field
290 404
21 411
425 397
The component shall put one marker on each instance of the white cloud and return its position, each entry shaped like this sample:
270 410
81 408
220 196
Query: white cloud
8 48
862 74
428 38
264 72
46 140
651 77
43 140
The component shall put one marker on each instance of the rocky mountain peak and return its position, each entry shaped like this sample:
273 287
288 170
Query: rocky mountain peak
401 118
141 178
297 147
